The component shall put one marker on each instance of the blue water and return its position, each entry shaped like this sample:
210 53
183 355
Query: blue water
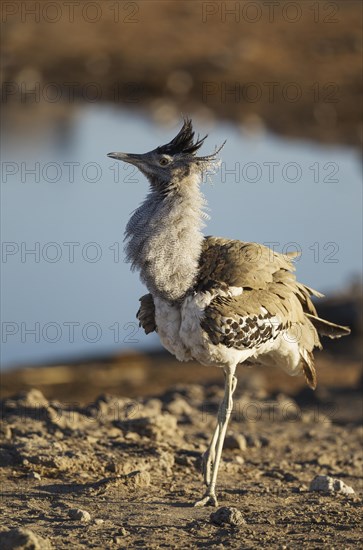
66 291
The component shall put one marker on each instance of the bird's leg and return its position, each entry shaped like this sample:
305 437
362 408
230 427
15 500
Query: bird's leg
209 455
214 452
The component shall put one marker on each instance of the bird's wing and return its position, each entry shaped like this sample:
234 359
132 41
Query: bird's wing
271 300
253 267
146 314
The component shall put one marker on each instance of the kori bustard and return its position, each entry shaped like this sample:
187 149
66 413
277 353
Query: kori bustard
221 302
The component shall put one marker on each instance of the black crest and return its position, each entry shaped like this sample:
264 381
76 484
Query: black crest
183 143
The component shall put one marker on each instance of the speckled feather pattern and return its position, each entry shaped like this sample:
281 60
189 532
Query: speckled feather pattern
243 332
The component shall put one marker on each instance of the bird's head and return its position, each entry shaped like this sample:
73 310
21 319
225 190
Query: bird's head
169 164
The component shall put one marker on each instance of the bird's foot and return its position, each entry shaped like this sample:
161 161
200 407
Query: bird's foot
209 499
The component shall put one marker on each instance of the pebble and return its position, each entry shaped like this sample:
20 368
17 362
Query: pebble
34 475
235 441
330 485
23 539
32 398
180 407
158 427
151 407
5 431
227 515
298 489
265 442
121 533
78 514
253 441
138 479
166 461
326 460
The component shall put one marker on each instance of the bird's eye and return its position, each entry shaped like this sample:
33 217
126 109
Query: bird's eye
163 161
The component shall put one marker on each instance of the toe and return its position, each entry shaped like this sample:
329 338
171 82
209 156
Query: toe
207 500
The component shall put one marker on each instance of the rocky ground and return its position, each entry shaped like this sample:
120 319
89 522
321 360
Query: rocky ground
123 472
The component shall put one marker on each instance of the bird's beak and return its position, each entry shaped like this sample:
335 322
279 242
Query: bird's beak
126 157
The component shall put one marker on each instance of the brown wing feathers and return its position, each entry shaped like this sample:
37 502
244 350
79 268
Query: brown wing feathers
146 313
239 264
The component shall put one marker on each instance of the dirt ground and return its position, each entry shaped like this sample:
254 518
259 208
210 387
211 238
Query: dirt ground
123 472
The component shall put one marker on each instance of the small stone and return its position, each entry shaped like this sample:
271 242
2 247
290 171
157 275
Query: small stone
158 427
114 433
78 514
99 521
289 477
326 460
23 539
113 466
253 441
132 437
235 441
91 439
5 431
121 533
265 442
166 461
330 485
227 515
34 475
32 398
298 489
138 479
179 407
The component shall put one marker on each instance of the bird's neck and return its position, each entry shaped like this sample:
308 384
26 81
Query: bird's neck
164 239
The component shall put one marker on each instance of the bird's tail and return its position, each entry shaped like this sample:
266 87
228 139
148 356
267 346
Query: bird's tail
326 328
308 367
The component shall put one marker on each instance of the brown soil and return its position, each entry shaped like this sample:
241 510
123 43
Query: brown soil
133 464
